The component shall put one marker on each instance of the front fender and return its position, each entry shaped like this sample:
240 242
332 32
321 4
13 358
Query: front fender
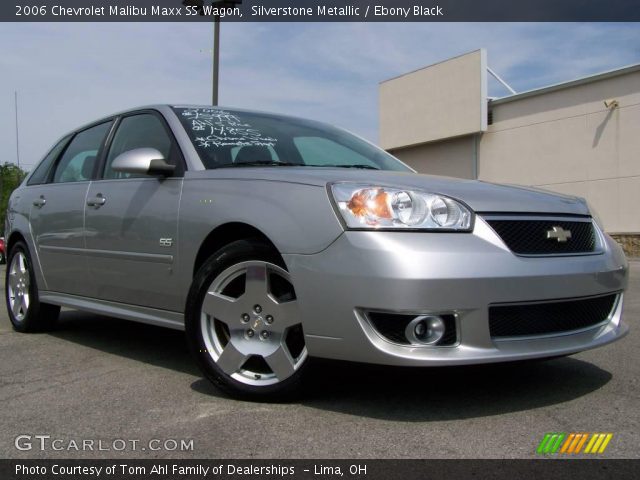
297 218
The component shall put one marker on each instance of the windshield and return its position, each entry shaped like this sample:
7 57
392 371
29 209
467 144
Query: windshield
226 138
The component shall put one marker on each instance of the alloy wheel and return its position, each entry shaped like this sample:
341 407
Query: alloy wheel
251 324
18 286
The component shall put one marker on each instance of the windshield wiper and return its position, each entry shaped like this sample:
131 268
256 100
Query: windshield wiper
362 166
262 163
274 163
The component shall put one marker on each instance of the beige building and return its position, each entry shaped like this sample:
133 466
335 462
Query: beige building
580 137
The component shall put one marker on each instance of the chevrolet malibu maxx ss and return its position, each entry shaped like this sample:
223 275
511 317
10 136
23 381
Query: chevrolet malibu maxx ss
271 240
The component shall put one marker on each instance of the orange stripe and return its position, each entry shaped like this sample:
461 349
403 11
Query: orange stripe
575 442
567 442
584 439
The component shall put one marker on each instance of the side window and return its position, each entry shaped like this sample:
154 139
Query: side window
41 173
138 131
322 151
78 160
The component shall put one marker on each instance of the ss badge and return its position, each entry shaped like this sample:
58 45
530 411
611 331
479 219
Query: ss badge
166 242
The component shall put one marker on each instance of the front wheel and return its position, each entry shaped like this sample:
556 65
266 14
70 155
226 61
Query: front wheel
243 323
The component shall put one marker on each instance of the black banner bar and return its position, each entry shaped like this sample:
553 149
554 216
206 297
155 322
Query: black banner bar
320 11
122 469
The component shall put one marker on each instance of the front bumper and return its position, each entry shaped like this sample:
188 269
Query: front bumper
461 273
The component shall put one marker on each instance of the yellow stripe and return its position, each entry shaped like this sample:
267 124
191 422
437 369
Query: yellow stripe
575 442
598 442
584 439
591 442
606 442
567 442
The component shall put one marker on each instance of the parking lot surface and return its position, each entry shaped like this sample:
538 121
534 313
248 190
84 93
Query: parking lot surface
102 379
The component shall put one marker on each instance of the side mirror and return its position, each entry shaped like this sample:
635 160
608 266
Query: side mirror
142 161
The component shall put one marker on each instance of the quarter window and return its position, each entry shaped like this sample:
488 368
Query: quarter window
78 160
41 173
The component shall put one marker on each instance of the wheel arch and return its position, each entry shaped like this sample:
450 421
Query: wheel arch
224 235
15 236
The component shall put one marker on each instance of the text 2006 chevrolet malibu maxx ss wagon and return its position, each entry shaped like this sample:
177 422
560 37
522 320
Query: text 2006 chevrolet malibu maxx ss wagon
272 239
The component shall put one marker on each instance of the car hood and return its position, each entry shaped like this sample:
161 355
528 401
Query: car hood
481 196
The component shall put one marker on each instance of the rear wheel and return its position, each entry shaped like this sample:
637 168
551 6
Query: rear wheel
243 323
26 312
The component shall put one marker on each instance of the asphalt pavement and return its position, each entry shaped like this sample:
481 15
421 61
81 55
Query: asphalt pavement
119 384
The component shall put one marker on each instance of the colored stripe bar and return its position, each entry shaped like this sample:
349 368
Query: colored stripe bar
572 443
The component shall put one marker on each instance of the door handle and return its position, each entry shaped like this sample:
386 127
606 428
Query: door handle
97 201
40 202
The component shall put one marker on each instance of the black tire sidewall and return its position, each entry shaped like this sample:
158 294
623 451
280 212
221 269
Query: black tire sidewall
38 316
236 252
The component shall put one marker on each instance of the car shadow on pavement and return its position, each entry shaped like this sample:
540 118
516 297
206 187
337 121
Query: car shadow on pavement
449 393
444 393
158 346
389 393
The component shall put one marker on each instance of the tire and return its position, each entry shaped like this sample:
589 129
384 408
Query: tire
3 260
26 312
243 324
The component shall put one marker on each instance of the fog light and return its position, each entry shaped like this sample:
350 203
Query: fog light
425 330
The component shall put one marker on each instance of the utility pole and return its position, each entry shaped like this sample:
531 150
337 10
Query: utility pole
215 4
216 60
216 46
17 136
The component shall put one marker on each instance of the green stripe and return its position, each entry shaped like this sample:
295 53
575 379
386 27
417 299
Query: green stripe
543 443
550 443
558 442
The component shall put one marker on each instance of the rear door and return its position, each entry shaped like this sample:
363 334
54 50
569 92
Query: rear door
132 221
57 212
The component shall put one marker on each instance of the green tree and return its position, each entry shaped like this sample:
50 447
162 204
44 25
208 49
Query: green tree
11 177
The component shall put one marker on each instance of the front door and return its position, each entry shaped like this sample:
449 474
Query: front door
132 222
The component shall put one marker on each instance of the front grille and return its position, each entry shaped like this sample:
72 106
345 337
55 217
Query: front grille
549 318
392 327
529 237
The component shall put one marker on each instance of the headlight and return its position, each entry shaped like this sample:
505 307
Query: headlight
367 206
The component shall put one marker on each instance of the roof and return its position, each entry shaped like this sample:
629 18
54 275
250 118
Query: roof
571 83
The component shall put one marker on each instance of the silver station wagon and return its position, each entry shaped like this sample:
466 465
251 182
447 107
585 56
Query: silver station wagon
272 240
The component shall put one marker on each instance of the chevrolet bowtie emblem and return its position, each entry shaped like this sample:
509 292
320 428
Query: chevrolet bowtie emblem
559 234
